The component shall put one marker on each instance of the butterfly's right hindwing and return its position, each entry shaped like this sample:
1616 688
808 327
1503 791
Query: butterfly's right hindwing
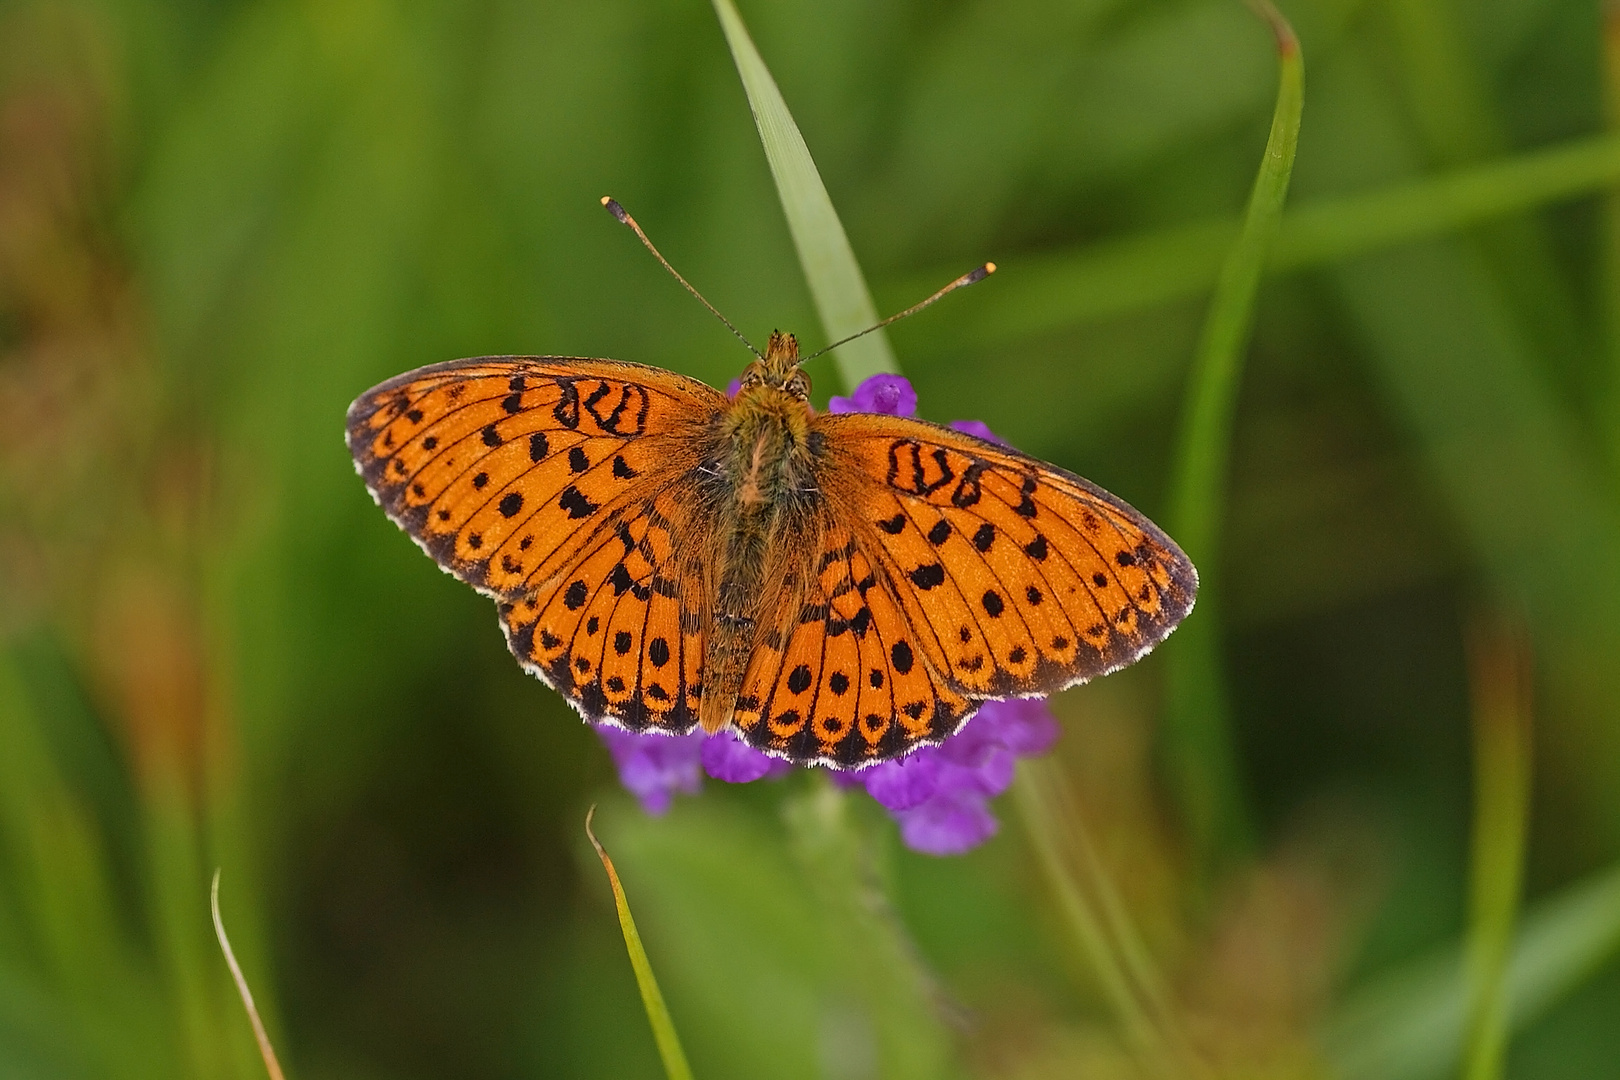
839 676
621 633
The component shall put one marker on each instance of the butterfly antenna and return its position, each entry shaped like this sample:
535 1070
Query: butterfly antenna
624 217
962 282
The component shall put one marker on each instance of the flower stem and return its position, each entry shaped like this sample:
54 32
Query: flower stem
1098 918
1500 668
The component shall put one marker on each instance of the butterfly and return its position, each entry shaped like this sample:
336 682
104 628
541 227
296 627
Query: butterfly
839 589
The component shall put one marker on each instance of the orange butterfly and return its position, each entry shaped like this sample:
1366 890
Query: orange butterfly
840 588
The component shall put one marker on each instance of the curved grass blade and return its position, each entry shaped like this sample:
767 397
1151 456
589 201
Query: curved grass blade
663 1028
836 284
1097 916
266 1051
1609 264
1199 746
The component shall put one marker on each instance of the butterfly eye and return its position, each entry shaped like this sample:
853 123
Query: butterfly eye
799 385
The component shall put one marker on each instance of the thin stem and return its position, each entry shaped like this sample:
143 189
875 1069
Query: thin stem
1610 251
1500 678
1102 927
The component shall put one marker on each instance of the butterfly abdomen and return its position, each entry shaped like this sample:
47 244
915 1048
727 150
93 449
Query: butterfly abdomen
765 486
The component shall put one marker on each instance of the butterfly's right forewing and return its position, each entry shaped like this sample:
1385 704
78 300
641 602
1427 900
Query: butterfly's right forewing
559 486
503 468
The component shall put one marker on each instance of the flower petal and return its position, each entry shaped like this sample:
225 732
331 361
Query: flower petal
948 825
891 395
978 428
904 782
654 768
726 757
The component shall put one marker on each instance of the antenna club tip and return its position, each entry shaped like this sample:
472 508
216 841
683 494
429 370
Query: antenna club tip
615 209
978 275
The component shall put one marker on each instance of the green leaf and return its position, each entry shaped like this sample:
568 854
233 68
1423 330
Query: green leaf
841 296
1500 674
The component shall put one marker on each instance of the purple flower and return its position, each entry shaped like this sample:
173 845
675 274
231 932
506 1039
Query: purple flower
891 395
903 783
654 767
939 795
726 757
979 428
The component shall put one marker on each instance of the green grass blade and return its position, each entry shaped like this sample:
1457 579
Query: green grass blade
1501 682
1199 748
1609 261
1410 1025
836 284
663 1028
1133 273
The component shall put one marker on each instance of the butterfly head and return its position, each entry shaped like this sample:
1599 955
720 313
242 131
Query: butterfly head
779 369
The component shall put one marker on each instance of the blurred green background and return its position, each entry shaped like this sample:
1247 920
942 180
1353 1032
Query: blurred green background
219 222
